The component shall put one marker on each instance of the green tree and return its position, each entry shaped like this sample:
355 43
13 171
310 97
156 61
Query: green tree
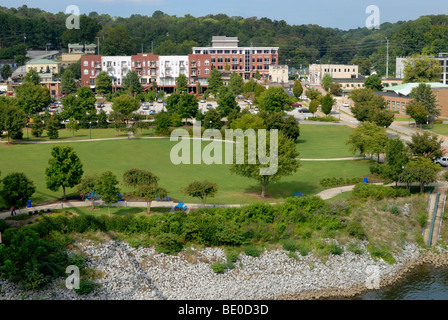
236 83
426 145
370 107
68 82
397 157
201 190
418 112
327 104
374 82
182 84
176 120
52 127
37 127
313 94
187 106
12 121
297 89
131 82
17 189
275 99
368 138
87 186
106 186
335 88
420 68
287 162
162 122
65 169
172 103
6 71
125 105
314 104
423 95
32 98
421 170
212 120
227 102
248 121
257 75
215 82
32 77
72 125
103 83
326 80
117 41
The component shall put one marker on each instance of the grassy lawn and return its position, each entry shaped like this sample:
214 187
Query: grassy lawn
82 134
323 141
154 155
437 128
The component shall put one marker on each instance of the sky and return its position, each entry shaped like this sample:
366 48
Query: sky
343 14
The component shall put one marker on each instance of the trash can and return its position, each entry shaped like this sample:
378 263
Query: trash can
28 205
365 180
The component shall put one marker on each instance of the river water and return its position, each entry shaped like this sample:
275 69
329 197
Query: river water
424 283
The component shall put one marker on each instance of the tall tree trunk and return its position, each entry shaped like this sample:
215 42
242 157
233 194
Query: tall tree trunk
263 188
93 201
148 207
108 207
63 188
422 187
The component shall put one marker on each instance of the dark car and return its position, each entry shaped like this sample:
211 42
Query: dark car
100 105
304 110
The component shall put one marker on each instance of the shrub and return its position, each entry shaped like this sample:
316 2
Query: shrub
355 248
422 217
381 251
366 191
355 229
168 243
85 286
219 267
252 251
290 245
3 225
232 256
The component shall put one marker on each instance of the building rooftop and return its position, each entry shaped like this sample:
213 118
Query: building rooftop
406 88
42 61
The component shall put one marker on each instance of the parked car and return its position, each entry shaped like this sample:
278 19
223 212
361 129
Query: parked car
151 103
145 107
345 104
160 100
443 161
297 105
100 105
52 106
152 111
209 106
304 110
202 101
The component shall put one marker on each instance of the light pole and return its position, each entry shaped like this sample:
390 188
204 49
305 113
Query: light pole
90 122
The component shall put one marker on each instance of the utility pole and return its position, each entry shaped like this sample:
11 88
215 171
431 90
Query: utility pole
152 46
387 59
142 47
98 45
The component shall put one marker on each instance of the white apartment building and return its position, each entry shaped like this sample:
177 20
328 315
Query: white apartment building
170 67
442 57
336 71
117 67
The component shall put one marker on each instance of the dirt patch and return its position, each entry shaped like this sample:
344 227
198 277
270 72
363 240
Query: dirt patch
257 195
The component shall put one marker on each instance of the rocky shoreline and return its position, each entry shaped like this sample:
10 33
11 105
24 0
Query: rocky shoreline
127 273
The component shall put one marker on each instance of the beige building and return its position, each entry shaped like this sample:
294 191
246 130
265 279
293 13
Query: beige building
278 73
336 71
43 66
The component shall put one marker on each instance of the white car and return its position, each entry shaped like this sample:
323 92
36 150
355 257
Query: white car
345 104
443 161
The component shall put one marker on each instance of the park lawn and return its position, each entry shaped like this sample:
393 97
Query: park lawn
323 141
81 134
437 128
154 155
114 211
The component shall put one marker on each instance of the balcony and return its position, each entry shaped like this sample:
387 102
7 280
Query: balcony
234 61
153 65
98 65
138 65
193 64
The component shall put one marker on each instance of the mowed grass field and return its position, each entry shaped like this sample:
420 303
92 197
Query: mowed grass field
154 155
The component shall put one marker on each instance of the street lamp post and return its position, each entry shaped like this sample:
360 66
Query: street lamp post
90 122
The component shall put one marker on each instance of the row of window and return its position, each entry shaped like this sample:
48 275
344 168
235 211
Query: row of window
235 51
395 105
338 70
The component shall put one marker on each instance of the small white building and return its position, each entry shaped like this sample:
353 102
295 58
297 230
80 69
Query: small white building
116 67
170 67
278 73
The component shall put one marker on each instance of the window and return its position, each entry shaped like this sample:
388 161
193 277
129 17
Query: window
227 51
86 63
219 67
86 71
206 62
227 59
199 71
219 51
206 71
219 60
259 60
213 60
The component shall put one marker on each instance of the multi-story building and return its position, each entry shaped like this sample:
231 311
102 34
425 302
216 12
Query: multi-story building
146 66
170 67
43 66
279 73
336 71
90 67
200 68
442 57
225 55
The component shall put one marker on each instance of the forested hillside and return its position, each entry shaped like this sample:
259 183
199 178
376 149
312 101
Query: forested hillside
25 27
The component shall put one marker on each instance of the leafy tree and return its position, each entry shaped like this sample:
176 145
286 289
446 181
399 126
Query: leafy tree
102 120
172 103
32 77
291 128
426 145
226 102
327 104
423 95
87 186
117 41
75 69
275 99
145 185
65 169
215 82
125 105
37 127
106 186
418 112
162 121
72 125
314 104
32 98
6 71
374 82
52 127
397 156
236 83
326 80
364 65
421 170
68 82
297 89
17 189
187 106
420 68
248 121
335 88
12 121
313 94
131 82
103 83
201 190
368 138
370 107
176 120
212 120
182 84
257 75
287 162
